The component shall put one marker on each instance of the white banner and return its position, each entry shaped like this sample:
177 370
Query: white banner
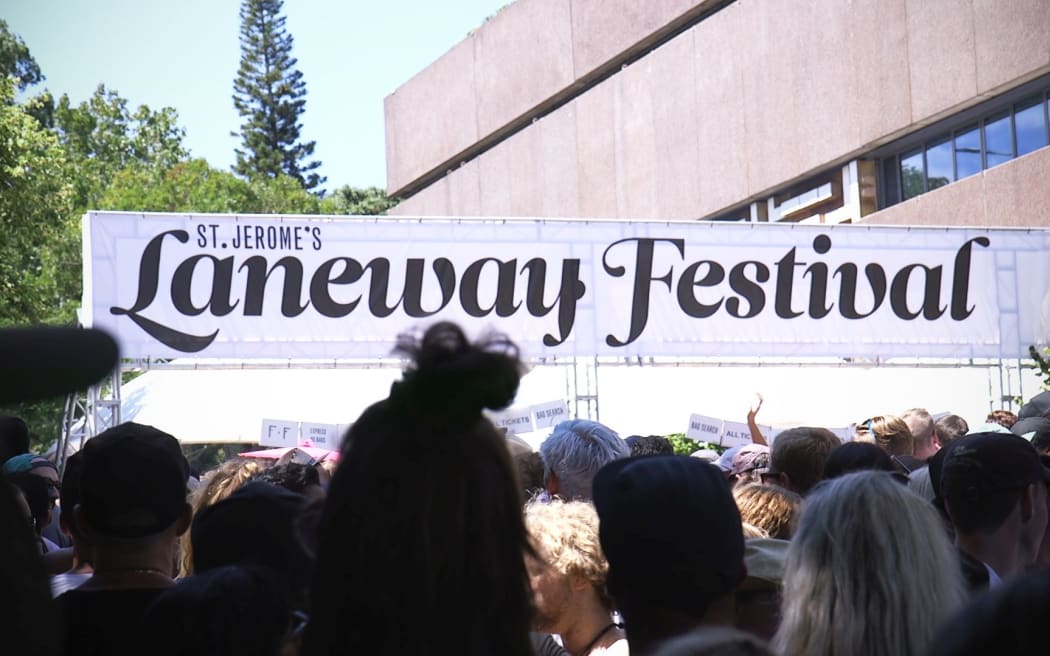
324 287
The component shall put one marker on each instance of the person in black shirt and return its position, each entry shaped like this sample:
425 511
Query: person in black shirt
132 508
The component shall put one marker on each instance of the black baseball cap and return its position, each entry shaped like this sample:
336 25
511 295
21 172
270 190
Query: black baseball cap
670 531
1037 406
985 463
133 482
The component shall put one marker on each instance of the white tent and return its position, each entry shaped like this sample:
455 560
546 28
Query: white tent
229 405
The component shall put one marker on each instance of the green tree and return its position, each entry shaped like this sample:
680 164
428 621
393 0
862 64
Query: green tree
102 137
16 61
39 237
194 186
352 200
35 210
270 95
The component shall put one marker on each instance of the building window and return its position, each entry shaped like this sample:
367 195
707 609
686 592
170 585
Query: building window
959 147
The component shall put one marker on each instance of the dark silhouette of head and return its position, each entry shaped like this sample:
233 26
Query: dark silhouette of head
14 437
422 539
672 534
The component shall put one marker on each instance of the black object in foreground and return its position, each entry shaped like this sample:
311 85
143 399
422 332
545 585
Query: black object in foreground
48 361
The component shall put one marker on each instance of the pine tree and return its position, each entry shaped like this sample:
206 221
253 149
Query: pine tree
270 94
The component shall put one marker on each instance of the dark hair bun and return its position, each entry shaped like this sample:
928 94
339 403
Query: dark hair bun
450 376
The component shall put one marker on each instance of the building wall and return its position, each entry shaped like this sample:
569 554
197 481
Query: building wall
753 97
528 53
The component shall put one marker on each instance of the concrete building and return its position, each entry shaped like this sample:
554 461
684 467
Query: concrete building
826 111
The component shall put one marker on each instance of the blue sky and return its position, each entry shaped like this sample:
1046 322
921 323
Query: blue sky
185 54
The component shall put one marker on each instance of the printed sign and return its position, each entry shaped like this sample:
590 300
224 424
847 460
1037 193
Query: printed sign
545 415
735 433
322 436
704 429
168 285
279 433
514 420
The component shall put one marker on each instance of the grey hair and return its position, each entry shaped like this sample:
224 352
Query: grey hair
575 451
867 556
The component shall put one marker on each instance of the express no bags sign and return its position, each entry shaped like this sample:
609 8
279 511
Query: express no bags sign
343 287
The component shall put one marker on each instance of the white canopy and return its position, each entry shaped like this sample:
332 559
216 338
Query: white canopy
229 405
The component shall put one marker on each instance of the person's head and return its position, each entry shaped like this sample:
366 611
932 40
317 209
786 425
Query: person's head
993 485
226 611
920 423
216 485
744 464
14 437
574 453
422 533
568 575
860 456
529 465
29 613
29 463
1030 428
889 433
649 445
1037 406
36 492
1009 621
257 525
866 523
948 428
672 535
294 477
133 492
769 507
796 460
758 598
1004 418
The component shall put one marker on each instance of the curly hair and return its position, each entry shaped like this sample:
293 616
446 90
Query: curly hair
218 484
768 507
565 535
1004 418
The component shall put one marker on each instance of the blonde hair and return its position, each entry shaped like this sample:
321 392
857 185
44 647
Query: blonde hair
868 553
565 536
890 433
768 507
751 531
216 485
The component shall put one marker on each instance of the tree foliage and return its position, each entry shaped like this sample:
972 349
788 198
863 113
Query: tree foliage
35 208
194 186
16 61
353 200
270 95
103 136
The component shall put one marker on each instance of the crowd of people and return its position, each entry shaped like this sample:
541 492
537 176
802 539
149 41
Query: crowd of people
436 533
